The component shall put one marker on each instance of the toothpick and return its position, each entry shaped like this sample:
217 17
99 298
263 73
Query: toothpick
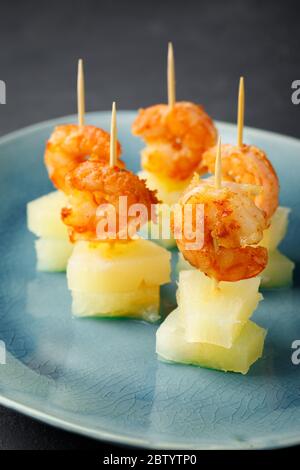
218 166
241 110
80 94
113 137
171 76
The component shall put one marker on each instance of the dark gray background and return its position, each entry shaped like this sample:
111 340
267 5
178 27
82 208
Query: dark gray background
124 47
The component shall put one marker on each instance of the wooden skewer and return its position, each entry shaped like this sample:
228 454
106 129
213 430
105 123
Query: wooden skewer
241 111
218 166
171 76
80 94
113 137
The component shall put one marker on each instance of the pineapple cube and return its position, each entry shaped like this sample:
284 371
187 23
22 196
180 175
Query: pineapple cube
215 315
52 254
160 231
120 279
43 216
277 230
279 271
171 345
183 264
150 228
168 190
53 248
117 267
168 243
142 303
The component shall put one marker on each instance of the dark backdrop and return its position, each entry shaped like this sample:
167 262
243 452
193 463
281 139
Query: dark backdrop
124 46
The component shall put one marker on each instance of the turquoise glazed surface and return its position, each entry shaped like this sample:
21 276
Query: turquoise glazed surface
101 378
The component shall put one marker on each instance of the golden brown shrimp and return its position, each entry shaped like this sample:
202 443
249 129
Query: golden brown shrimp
69 145
176 138
247 164
231 223
92 184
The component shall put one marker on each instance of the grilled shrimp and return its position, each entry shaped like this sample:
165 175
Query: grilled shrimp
69 145
247 164
92 184
231 224
176 138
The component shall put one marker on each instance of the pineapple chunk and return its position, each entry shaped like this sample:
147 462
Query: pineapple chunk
168 243
118 267
171 345
142 303
160 232
43 216
148 231
277 230
279 271
215 315
271 239
120 279
183 264
168 190
52 254
53 248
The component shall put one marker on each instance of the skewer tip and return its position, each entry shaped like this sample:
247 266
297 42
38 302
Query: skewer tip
80 93
113 136
171 76
80 75
241 112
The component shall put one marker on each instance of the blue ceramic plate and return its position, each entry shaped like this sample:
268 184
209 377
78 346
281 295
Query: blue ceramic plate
101 378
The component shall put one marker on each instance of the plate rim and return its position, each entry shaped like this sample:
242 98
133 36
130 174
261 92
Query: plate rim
113 437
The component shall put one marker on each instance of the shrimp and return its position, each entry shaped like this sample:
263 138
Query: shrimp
70 145
247 164
176 138
231 224
92 184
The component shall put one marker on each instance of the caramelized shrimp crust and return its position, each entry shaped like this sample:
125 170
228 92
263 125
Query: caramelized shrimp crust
69 145
247 164
92 184
176 138
231 223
